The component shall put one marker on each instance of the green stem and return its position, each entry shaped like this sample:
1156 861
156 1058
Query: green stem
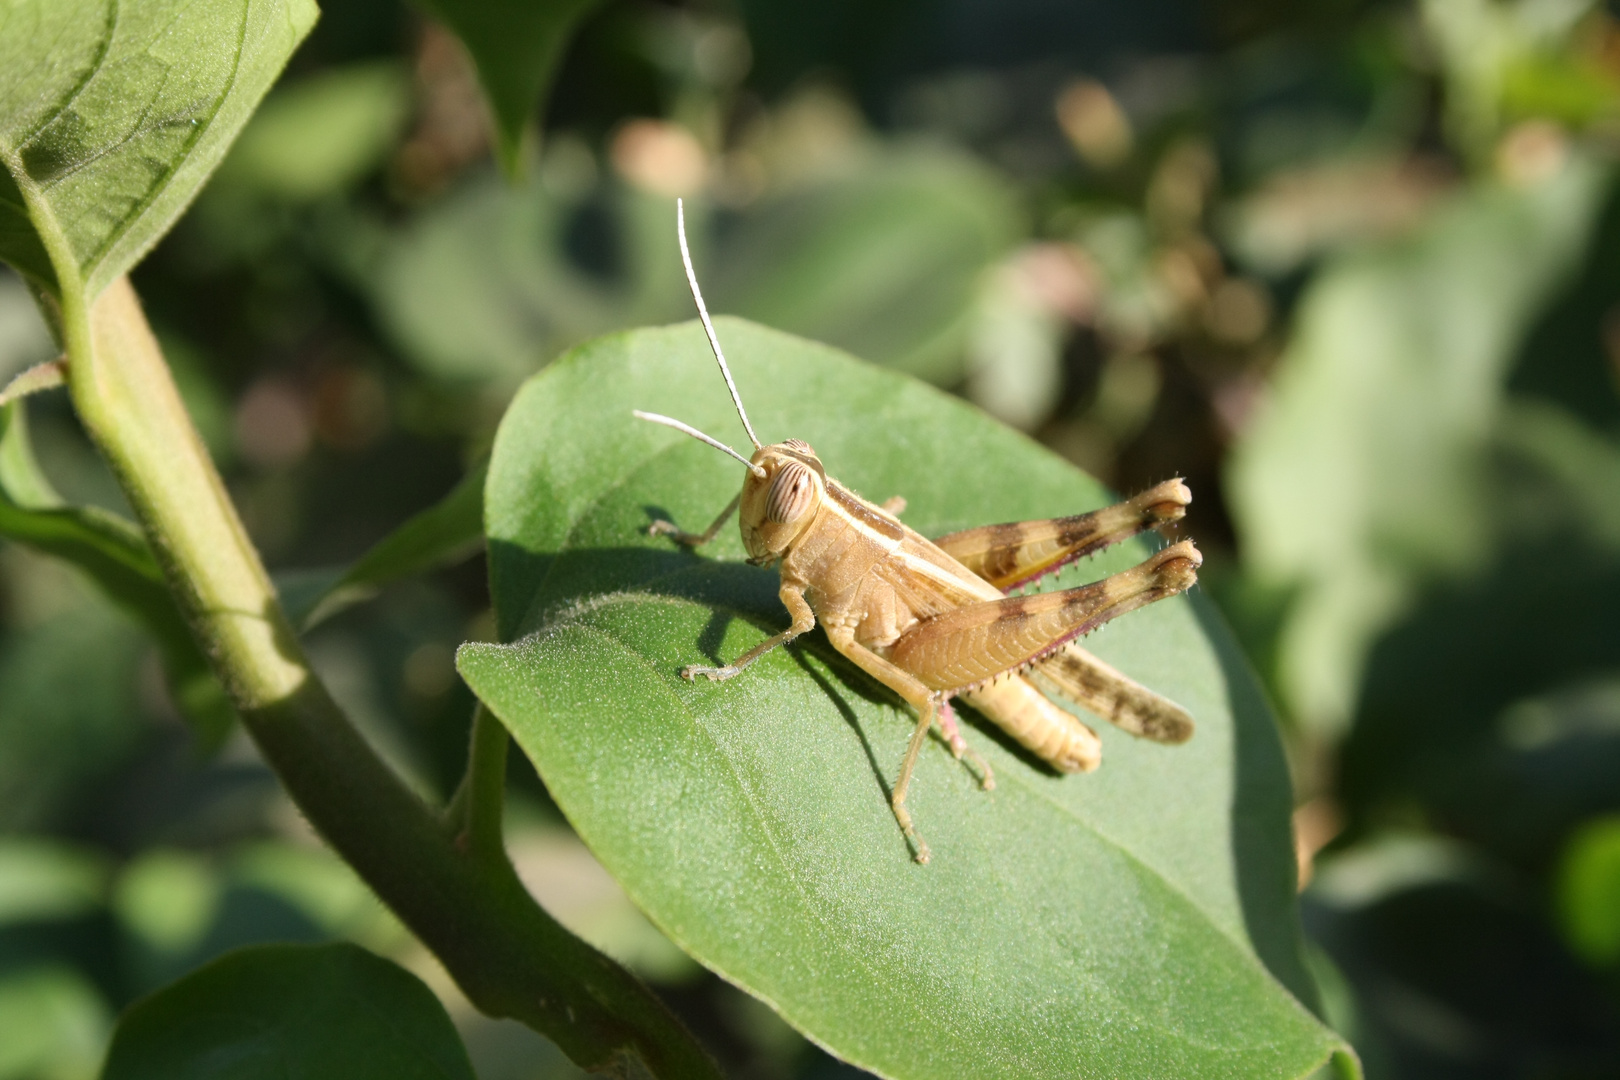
474 814
506 953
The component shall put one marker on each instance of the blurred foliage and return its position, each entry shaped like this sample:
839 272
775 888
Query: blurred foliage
1351 267
278 1010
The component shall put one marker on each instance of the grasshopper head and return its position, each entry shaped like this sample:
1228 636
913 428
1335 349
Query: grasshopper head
779 502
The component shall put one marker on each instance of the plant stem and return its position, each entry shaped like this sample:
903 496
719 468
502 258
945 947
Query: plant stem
474 814
506 953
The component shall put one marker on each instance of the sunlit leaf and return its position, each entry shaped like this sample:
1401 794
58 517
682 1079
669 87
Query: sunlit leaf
1138 921
274 1011
113 114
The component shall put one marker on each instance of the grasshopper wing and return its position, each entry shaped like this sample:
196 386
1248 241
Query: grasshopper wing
1017 553
963 648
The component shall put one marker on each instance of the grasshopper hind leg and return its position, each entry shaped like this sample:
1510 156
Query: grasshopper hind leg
960 748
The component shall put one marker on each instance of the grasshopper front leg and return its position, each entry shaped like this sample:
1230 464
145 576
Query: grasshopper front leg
681 536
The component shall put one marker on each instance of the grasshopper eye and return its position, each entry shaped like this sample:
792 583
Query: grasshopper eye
791 494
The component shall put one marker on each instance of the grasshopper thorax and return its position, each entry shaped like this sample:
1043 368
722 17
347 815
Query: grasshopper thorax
780 501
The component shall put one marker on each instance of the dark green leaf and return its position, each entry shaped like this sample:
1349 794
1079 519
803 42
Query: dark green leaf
516 45
112 115
1454 968
1138 921
67 700
277 1011
114 554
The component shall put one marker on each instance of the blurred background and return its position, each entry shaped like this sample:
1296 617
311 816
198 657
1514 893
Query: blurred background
1352 269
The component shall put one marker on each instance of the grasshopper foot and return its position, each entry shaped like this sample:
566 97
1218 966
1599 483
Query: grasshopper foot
919 846
674 532
713 674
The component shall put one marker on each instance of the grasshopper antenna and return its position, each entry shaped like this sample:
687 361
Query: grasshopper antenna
714 342
670 421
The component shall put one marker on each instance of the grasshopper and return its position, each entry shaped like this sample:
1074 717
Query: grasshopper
932 619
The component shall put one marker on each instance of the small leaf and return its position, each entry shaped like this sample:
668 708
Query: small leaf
446 532
1589 891
276 1011
113 114
516 46
1138 921
46 376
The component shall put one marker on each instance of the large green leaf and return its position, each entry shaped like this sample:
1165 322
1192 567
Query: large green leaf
1138 921
276 1011
516 45
114 112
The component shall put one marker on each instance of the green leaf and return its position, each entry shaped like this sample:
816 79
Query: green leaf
321 134
1138 921
449 530
883 261
55 1024
1589 891
113 553
1364 474
113 114
275 1011
44 879
516 46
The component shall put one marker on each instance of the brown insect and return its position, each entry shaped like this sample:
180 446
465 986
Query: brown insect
931 619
